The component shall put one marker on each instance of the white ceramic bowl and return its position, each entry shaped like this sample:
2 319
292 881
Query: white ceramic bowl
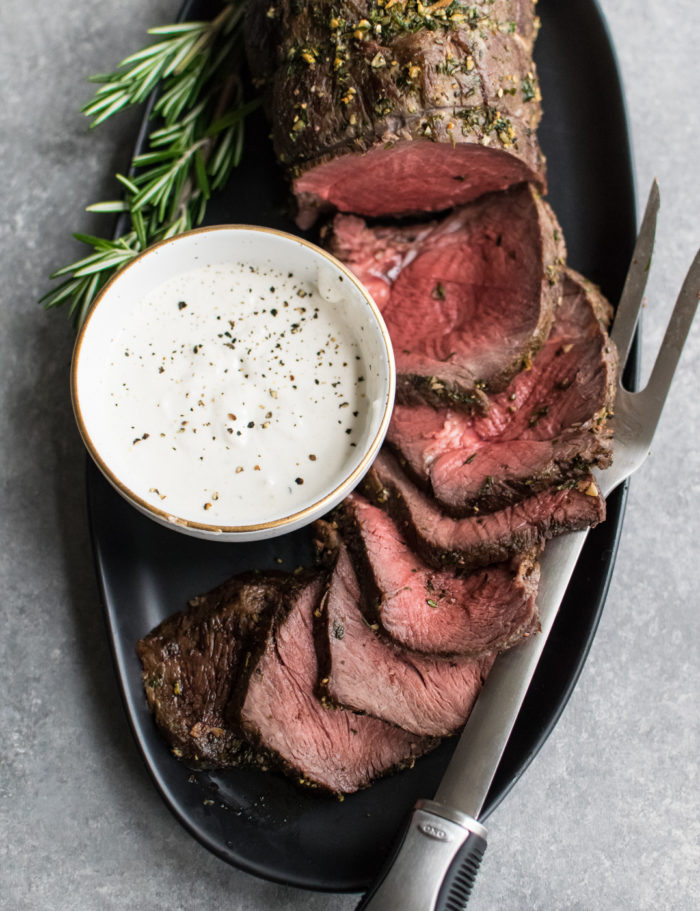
143 356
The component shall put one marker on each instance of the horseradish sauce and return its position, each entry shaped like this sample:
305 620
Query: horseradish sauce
236 394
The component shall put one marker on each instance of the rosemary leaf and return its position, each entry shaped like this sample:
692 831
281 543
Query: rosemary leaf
139 224
201 171
64 291
98 243
102 263
130 186
195 141
116 205
177 28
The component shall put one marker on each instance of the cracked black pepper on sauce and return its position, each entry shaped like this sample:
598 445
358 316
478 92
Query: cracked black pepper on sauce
235 393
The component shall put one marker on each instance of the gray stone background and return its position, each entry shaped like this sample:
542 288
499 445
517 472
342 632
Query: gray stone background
607 815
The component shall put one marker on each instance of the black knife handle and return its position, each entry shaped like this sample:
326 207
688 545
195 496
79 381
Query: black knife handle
458 884
434 865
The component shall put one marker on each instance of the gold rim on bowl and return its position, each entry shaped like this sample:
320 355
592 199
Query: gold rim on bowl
347 483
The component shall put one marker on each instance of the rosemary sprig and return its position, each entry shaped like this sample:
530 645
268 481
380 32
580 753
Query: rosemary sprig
196 141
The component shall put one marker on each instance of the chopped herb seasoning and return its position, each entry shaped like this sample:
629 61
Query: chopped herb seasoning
537 415
439 292
529 88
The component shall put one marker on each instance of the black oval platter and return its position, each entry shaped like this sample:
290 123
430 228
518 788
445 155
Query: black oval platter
262 822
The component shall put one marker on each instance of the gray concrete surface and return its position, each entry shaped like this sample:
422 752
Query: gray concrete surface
607 815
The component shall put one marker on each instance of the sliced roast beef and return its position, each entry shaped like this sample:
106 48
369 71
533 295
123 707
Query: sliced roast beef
192 659
572 381
498 475
478 541
548 426
399 107
366 672
467 300
436 612
278 709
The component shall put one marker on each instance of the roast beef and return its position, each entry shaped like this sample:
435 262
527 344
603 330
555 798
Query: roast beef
279 711
547 427
467 300
497 475
478 541
191 662
398 107
365 671
435 611
573 380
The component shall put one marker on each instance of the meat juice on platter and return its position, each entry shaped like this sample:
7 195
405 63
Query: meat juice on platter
244 381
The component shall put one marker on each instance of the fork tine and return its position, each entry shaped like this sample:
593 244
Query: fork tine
627 311
650 402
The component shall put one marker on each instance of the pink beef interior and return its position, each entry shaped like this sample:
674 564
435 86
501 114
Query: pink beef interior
571 380
335 748
499 474
565 387
411 177
462 297
548 415
431 696
481 540
440 612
